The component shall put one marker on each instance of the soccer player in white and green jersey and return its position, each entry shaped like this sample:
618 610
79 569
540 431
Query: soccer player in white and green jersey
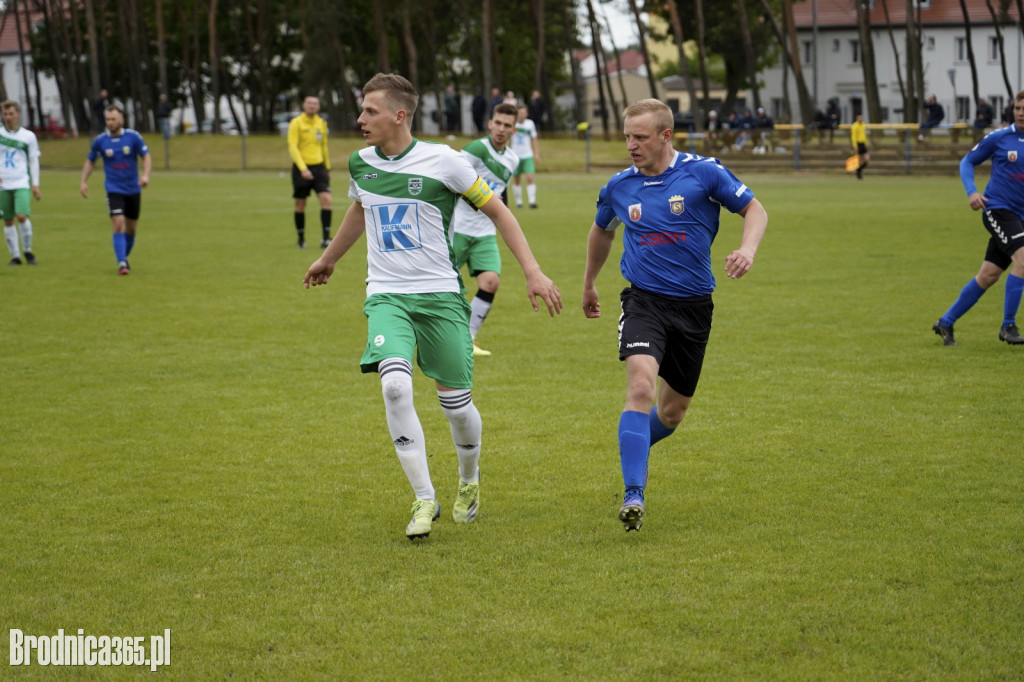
524 143
19 176
405 192
473 234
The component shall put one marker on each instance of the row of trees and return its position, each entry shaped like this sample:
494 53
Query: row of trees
269 52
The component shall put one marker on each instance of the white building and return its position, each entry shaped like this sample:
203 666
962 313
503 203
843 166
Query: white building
830 53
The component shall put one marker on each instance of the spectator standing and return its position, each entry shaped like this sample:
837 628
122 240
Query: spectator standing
479 110
451 109
99 110
537 109
163 116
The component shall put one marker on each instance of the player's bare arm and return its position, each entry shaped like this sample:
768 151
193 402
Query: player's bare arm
83 186
147 166
352 227
599 245
755 222
537 283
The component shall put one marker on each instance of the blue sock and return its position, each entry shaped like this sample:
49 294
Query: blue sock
969 295
120 246
129 241
1014 289
634 444
658 430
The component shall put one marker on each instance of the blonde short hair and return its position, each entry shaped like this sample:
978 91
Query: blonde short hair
662 114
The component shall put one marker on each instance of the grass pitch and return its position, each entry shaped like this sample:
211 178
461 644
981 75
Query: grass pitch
193 447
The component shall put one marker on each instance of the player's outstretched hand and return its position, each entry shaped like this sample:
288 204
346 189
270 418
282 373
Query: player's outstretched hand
591 304
738 263
539 285
317 274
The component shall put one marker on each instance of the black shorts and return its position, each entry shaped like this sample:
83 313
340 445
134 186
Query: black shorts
1007 235
128 205
672 330
320 183
862 148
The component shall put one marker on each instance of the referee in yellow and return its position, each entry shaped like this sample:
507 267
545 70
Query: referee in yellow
859 140
311 167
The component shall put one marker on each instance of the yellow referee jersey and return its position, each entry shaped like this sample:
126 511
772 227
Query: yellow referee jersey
857 133
307 141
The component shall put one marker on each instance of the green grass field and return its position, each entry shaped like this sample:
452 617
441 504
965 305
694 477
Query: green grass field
193 447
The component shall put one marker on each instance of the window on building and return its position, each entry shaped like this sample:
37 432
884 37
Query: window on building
930 43
855 52
808 53
960 49
963 108
997 102
993 48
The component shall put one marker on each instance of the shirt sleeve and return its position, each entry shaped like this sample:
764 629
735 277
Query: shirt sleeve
327 156
33 161
980 153
293 144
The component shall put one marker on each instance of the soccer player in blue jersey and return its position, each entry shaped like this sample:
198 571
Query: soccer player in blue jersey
667 206
120 148
1002 207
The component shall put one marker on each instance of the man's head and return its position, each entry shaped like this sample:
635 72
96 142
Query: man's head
114 119
389 102
502 125
311 105
520 112
11 114
1018 109
648 130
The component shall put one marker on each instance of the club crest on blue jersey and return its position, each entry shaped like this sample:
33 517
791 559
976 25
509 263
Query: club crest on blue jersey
1011 155
415 186
675 204
126 150
634 212
108 153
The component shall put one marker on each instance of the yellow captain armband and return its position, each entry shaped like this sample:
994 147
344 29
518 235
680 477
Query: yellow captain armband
479 194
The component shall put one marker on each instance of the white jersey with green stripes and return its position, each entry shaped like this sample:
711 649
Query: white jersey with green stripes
19 159
496 169
408 203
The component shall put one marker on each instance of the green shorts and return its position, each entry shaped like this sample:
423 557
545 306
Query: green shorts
480 253
434 326
525 166
15 201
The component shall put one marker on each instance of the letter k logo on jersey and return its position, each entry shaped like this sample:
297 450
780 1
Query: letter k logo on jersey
398 227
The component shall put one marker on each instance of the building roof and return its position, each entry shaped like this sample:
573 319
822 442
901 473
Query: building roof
630 60
843 13
9 30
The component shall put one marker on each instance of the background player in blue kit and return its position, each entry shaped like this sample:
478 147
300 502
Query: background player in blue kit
668 205
1003 204
120 148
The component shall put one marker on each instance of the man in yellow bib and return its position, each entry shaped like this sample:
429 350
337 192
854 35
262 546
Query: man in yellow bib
311 167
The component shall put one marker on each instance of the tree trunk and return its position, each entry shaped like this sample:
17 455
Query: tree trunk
970 49
94 53
487 47
413 58
912 105
748 51
791 53
867 60
684 64
380 30
1002 52
895 57
161 49
214 56
642 33
702 59
596 47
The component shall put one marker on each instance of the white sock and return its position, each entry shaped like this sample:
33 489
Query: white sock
517 192
26 234
404 425
479 310
466 428
11 237
531 193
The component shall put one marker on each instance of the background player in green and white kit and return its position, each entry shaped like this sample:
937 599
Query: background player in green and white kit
524 144
19 176
473 233
405 192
